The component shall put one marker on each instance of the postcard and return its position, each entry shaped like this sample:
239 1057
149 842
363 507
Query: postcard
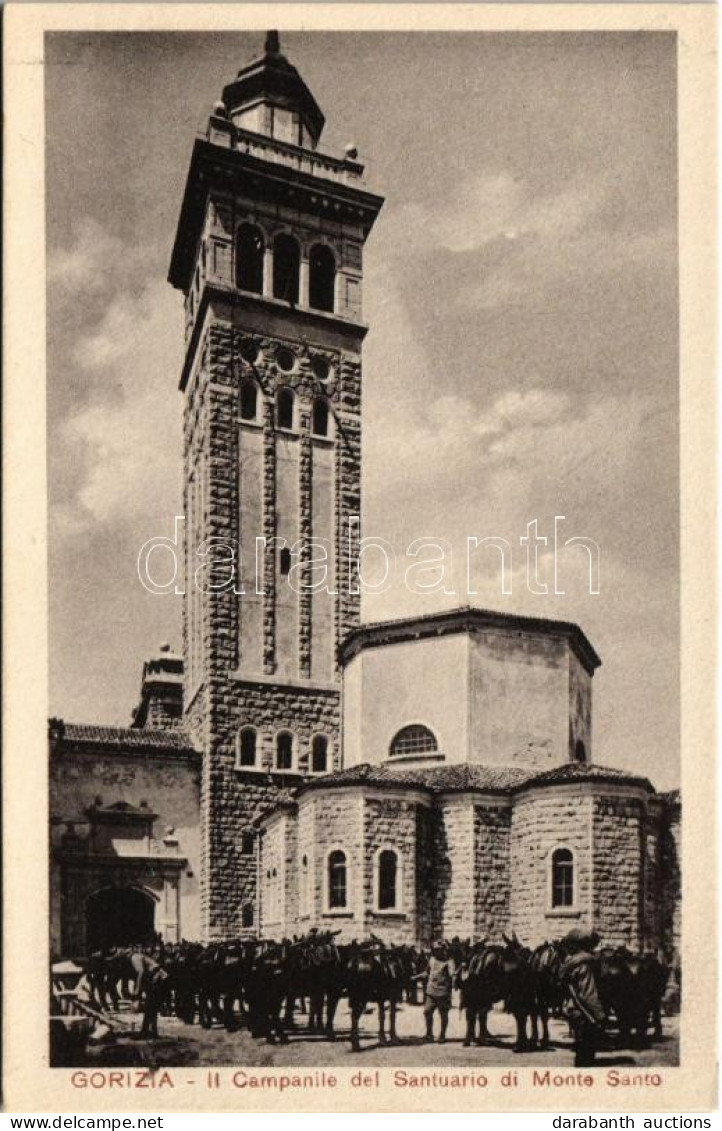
359 566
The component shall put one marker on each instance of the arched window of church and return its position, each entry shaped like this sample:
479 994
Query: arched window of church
249 259
319 754
387 880
320 417
284 750
286 267
562 878
285 407
337 880
580 751
246 749
321 277
413 740
247 915
249 399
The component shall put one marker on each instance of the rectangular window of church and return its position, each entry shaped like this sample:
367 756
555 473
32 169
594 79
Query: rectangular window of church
337 885
562 878
305 893
387 878
248 843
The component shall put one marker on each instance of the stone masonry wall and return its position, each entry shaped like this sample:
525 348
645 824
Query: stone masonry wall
492 831
671 880
652 903
338 822
543 820
167 783
428 868
390 822
454 851
212 633
231 799
619 823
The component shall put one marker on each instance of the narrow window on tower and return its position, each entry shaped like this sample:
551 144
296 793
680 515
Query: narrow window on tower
562 878
580 751
284 751
249 399
285 408
248 843
284 562
246 749
319 754
286 267
322 277
320 417
247 915
249 259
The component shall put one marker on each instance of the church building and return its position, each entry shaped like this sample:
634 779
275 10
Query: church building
431 776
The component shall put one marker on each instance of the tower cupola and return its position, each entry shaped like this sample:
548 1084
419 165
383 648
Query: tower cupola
269 97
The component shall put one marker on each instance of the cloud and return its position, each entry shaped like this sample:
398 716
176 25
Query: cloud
513 243
498 206
94 258
119 444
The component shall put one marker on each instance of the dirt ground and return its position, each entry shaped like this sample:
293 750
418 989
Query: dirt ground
181 1044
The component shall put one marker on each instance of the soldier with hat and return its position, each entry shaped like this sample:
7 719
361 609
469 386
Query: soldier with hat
440 977
583 1008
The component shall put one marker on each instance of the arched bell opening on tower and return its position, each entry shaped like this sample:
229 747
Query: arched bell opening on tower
286 267
322 278
250 246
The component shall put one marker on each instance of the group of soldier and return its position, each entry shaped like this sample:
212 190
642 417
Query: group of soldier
583 1007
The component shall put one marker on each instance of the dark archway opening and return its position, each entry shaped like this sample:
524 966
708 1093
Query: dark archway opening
119 917
580 752
322 277
249 259
286 268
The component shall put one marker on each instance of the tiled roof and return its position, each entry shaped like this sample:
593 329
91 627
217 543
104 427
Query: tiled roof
577 771
121 738
464 776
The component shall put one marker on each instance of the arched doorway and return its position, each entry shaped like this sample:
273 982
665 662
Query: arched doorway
119 917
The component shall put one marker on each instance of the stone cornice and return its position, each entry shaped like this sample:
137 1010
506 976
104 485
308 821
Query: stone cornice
466 619
218 166
216 291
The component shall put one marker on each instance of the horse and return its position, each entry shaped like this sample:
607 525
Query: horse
380 974
498 973
546 962
631 986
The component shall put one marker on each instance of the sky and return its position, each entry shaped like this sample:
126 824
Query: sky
522 361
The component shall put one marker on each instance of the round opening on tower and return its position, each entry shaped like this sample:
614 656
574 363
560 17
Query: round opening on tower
321 368
285 360
249 351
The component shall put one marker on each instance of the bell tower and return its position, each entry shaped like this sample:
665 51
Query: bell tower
268 254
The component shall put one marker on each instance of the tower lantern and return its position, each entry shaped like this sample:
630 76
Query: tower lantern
268 254
269 97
